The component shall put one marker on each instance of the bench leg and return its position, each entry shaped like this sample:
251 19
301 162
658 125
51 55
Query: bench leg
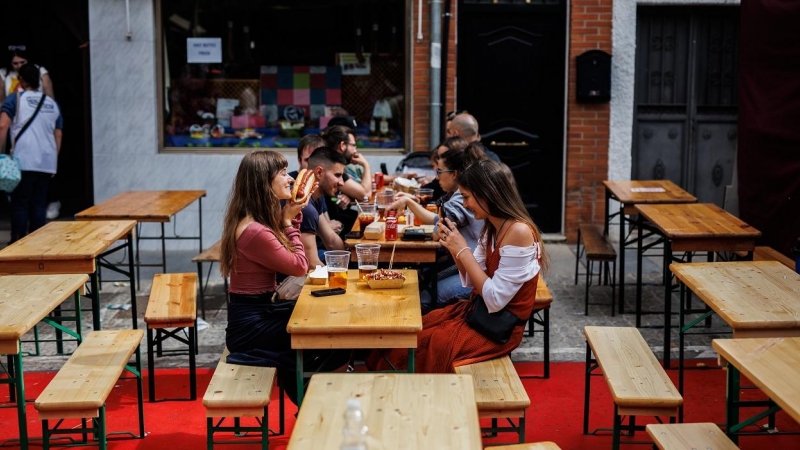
151 370
201 290
522 428
577 255
210 433
101 428
192 364
45 436
281 411
139 390
265 430
615 438
589 267
546 330
587 388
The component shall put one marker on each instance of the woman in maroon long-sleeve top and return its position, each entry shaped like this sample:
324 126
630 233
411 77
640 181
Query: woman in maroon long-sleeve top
260 238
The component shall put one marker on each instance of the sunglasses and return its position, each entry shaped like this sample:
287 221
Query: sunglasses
452 114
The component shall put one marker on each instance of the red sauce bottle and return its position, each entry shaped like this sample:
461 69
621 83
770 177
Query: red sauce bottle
391 226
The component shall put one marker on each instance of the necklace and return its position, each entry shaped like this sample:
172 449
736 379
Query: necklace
499 230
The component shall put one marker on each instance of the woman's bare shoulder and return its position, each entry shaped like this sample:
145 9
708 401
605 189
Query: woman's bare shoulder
519 234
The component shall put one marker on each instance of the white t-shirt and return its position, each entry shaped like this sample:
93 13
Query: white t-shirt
517 265
11 80
36 149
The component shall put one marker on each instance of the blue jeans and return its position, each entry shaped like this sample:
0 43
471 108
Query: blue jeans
447 290
29 203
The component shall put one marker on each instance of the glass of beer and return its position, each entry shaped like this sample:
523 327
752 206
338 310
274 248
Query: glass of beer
367 259
337 261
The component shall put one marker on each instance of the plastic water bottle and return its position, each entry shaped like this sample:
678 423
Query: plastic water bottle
354 432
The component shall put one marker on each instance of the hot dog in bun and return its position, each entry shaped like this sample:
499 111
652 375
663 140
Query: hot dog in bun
302 185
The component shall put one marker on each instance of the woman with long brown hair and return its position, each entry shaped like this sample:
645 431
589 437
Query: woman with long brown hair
259 239
503 271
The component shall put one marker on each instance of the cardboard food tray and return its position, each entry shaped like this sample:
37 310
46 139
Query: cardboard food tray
386 284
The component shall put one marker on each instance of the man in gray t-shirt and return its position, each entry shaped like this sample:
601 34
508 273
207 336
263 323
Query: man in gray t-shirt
35 122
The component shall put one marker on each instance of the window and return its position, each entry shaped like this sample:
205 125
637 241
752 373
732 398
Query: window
263 73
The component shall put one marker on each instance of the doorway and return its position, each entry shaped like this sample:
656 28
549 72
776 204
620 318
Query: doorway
511 59
56 36
686 97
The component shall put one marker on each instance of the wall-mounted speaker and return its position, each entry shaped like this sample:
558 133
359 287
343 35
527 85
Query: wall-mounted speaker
594 77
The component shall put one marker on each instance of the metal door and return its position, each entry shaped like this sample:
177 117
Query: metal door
511 78
686 97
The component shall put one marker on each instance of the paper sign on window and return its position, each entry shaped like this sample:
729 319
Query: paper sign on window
203 50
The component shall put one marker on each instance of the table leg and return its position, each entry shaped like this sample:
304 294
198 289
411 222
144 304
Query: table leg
95 287
132 279
163 250
300 378
639 243
138 260
732 403
621 258
667 300
681 340
78 319
411 357
200 223
19 383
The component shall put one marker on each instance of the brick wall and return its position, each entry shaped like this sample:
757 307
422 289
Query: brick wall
587 124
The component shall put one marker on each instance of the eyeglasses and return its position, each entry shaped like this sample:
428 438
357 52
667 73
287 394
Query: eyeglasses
440 171
16 47
452 114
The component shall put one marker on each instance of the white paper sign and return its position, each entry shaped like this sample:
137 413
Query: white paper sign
648 189
436 55
203 50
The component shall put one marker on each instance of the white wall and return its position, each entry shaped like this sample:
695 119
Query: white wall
623 49
124 126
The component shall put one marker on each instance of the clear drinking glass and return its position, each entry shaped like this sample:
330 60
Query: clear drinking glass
367 259
337 261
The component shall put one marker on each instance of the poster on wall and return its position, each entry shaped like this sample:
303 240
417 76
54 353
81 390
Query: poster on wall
203 50
352 66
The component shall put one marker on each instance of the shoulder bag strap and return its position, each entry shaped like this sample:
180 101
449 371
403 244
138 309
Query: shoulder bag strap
28 123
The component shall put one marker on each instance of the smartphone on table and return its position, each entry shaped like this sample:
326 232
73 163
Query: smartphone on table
327 292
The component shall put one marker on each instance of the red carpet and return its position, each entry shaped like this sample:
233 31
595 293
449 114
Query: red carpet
555 413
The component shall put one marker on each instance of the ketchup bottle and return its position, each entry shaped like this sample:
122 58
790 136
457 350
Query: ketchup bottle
391 226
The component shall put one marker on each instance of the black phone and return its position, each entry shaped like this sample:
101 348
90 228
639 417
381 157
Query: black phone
327 292
353 235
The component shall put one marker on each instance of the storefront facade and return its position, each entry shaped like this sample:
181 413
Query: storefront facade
142 127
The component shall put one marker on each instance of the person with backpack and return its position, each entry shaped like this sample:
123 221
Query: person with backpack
35 122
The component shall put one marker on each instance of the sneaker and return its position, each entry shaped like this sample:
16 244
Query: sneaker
53 209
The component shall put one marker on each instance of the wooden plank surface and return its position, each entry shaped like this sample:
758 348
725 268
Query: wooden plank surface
531 446
764 253
543 295
234 386
405 251
746 295
85 380
173 300
683 436
623 191
142 206
772 364
72 243
27 299
361 310
632 372
697 220
497 384
597 246
211 254
401 411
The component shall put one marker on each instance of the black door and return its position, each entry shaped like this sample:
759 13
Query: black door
511 78
56 36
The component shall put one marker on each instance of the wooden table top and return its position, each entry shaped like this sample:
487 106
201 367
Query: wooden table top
756 298
648 191
361 318
401 411
27 299
405 251
772 364
696 220
63 247
142 206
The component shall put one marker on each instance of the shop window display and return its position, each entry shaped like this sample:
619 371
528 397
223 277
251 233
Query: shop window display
263 77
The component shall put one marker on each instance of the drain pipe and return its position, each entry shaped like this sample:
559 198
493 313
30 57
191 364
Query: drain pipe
435 74
129 34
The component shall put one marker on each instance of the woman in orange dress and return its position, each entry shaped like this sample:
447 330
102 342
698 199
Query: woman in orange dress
503 271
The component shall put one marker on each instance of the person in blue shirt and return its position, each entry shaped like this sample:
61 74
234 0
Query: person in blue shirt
36 149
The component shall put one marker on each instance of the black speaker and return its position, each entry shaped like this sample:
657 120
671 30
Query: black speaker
594 77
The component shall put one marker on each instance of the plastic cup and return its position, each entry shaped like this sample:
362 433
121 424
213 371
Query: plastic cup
382 201
424 196
366 215
367 259
337 261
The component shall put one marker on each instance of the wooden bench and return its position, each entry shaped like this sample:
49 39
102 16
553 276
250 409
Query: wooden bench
638 383
530 446
210 255
680 436
240 391
594 246
80 389
764 253
172 304
541 316
498 393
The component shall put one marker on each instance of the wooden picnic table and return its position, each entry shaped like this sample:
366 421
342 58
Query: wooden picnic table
401 411
405 251
363 318
772 364
64 247
25 300
689 227
153 207
630 193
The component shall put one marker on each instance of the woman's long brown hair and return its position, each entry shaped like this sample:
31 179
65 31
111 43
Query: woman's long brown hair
494 183
252 195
